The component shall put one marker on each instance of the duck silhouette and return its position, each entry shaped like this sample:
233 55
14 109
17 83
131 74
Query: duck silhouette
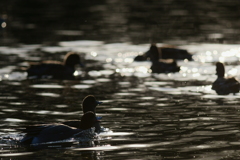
55 69
165 52
161 65
222 85
55 132
89 104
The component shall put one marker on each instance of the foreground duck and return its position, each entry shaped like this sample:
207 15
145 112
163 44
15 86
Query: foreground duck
165 52
56 132
224 86
56 69
89 104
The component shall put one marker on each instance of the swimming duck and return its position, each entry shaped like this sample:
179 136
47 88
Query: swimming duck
55 132
56 69
89 104
224 86
167 52
165 66
161 65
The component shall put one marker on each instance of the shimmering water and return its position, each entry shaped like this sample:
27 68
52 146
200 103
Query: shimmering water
145 115
148 116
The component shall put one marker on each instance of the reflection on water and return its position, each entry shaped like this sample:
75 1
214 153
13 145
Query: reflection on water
149 116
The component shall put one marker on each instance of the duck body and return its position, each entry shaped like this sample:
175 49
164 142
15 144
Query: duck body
222 85
48 133
159 65
225 86
164 67
55 69
55 132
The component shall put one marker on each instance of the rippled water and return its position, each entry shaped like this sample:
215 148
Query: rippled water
149 116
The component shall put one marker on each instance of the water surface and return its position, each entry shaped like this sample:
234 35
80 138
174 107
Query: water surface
148 116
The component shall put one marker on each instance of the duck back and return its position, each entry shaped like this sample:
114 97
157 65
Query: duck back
225 86
162 67
47 133
175 53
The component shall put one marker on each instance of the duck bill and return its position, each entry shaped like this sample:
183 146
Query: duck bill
98 118
99 102
81 65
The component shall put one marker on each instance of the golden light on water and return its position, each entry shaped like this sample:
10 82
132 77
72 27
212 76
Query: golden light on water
109 60
128 60
142 69
139 69
221 59
233 72
94 54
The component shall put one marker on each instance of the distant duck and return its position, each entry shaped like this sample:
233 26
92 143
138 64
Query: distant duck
55 132
224 86
56 69
161 65
89 104
165 66
167 52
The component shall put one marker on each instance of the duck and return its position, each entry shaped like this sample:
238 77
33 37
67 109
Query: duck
55 69
161 65
167 52
89 104
222 85
165 66
44 133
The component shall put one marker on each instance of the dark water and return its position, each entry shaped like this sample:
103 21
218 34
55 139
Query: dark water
148 116
138 21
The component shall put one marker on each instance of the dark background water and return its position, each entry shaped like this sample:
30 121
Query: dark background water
163 116
138 21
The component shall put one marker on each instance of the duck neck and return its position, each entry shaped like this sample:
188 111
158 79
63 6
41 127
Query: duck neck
154 53
69 64
220 70
86 109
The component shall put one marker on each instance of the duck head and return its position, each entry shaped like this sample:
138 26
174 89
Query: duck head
153 53
90 103
220 69
71 59
88 120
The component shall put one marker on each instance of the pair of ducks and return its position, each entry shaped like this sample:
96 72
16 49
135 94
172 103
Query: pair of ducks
59 131
164 58
222 85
